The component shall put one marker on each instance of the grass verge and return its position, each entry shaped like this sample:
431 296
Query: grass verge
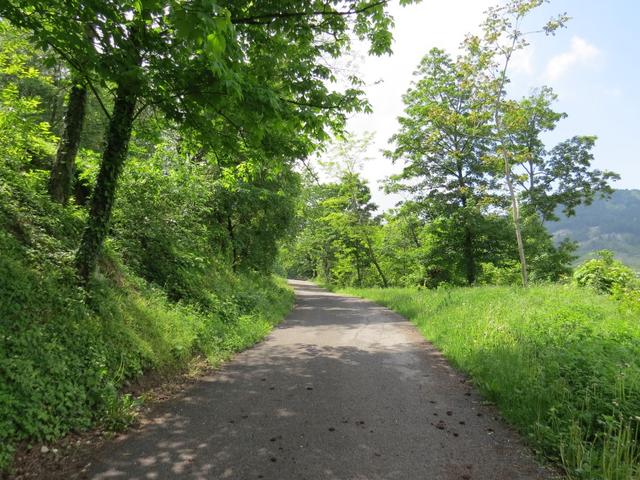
561 363
65 355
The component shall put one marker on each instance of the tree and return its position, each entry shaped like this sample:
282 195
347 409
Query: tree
253 65
346 159
63 170
443 137
357 209
549 179
502 37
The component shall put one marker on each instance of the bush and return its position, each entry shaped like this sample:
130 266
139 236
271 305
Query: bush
605 274
506 275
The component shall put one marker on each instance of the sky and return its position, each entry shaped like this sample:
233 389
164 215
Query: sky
593 65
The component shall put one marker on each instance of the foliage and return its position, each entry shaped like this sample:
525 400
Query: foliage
410 247
236 73
563 366
516 126
64 357
337 237
64 352
461 137
559 178
605 274
443 138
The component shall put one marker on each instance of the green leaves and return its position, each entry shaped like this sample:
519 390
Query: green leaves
549 179
606 275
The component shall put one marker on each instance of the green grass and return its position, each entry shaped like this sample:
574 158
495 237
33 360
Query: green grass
561 363
67 351
64 354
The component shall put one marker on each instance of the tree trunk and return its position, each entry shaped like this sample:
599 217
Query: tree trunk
63 171
467 243
326 267
469 257
117 143
358 274
232 241
376 264
414 237
515 208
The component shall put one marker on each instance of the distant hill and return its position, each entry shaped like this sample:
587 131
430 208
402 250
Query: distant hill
612 224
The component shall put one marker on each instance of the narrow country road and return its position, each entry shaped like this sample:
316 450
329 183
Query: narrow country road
342 389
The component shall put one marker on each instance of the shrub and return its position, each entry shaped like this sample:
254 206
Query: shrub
605 274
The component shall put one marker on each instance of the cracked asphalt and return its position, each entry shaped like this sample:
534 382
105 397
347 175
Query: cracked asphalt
342 389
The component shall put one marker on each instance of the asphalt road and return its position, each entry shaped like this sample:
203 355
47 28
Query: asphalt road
342 389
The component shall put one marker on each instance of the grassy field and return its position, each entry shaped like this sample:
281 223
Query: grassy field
561 363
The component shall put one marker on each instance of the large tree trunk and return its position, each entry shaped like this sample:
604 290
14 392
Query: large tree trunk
63 171
117 143
469 256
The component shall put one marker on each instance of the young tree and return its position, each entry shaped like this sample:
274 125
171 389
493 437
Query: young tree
502 37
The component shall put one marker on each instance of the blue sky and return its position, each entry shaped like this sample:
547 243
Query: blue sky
593 65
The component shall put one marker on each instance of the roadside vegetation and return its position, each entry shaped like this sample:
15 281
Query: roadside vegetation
560 362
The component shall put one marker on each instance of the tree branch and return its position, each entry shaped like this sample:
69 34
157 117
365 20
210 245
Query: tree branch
313 105
267 18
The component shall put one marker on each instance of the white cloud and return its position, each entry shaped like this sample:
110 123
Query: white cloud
522 61
581 52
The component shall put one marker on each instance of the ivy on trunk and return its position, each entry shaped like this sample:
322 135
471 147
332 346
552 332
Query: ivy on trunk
63 170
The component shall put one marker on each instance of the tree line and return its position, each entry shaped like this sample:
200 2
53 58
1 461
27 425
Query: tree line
481 183
214 101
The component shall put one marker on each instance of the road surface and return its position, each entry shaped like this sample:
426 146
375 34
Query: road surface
342 389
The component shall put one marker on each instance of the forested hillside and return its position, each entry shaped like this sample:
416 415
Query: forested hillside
148 155
607 224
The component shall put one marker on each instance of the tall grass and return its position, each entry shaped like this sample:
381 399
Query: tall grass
562 364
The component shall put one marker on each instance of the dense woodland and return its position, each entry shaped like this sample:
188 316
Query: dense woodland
156 171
